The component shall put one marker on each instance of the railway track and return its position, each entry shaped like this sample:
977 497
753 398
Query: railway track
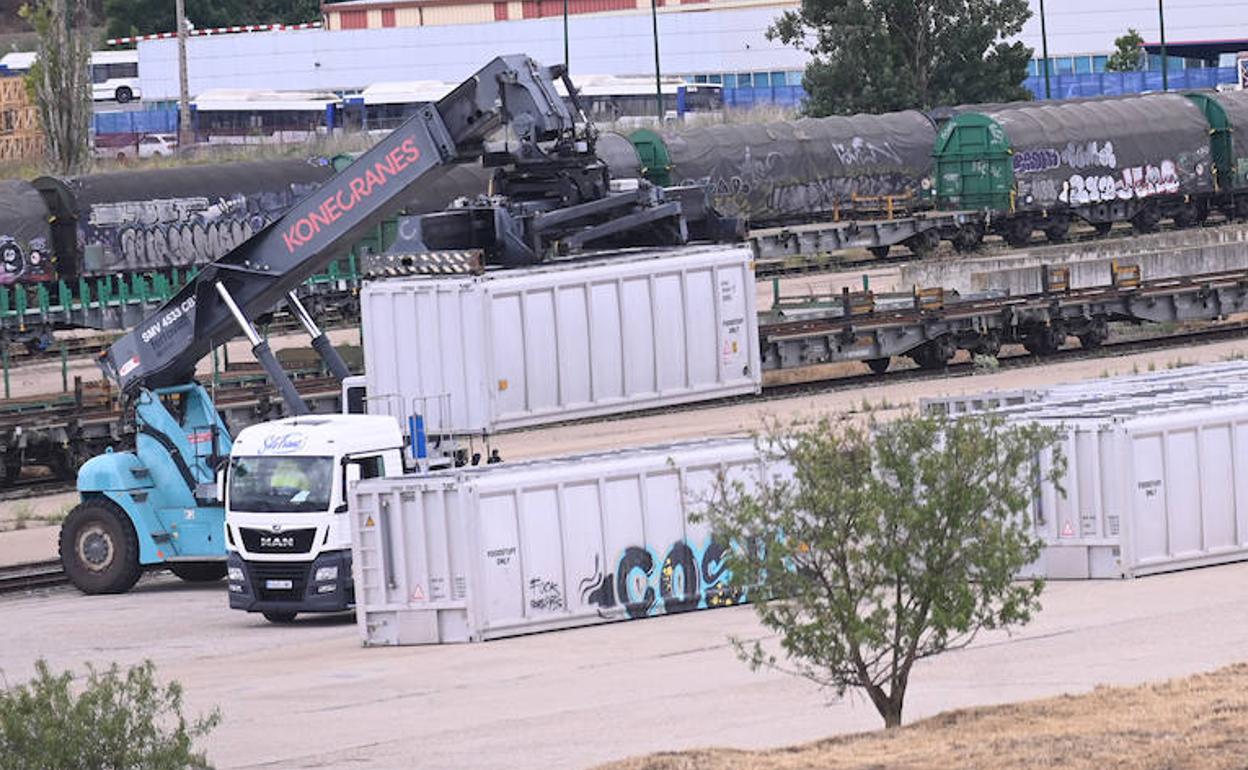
27 577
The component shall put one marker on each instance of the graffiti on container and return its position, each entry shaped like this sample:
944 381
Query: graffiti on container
1076 156
684 579
864 152
834 193
1040 191
1035 161
544 595
177 232
24 265
1134 182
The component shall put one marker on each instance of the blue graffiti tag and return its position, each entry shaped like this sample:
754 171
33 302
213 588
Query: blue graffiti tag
686 578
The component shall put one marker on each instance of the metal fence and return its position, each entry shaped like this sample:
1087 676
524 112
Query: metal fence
1074 86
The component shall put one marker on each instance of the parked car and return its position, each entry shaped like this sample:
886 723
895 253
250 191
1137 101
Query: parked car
157 145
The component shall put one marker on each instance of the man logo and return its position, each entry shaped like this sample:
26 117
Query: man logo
285 542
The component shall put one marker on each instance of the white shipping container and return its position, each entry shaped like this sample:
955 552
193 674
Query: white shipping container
519 348
1162 491
500 550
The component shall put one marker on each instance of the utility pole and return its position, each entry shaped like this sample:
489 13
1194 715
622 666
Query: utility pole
184 98
565 35
1165 62
1044 49
658 77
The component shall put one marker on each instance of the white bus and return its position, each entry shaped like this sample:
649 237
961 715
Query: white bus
115 76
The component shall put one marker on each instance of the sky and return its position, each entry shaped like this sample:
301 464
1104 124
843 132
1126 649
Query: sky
1085 26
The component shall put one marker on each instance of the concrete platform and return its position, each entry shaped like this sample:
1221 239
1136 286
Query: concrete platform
309 696
1160 255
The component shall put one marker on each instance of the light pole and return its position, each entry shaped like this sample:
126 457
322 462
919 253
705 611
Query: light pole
1044 49
184 97
658 77
1165 63
565 34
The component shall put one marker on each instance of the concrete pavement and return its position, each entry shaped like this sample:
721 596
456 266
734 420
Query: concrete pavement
309 696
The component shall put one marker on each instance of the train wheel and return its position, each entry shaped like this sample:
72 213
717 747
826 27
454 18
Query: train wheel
1094 337
923 244
987 345
98 548
1186 216
968 237
1102 228
198 571
12 466
1146 221
123 94
1057 229
1241 207
879 252
878 365
934 354
1017 232
1044 340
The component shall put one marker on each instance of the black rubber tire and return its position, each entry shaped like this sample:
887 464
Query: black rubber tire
123 94
276 616
198 571
878 365
99 549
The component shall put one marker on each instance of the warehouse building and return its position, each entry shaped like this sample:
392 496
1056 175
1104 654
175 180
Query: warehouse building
716 42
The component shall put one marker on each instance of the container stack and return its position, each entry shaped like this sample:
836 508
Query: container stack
1156 478
21 137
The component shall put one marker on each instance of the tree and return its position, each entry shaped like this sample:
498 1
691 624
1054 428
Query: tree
119 721
140 17
60 79
883 546
1128 55
880 55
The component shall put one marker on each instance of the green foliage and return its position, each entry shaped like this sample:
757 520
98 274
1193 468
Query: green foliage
881 55
119 721
60 79
141 17
1128 56
885 545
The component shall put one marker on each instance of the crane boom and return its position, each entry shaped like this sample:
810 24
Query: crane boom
256 276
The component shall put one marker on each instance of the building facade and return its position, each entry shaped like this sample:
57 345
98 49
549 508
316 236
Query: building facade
384 14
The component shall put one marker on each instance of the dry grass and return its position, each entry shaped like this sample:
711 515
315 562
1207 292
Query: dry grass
1197 723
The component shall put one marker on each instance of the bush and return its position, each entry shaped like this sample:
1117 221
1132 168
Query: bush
119 721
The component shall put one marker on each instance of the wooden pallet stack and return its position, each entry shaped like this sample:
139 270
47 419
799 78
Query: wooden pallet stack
21 136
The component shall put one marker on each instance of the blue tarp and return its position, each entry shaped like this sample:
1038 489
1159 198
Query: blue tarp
159 121
1117 83
780 96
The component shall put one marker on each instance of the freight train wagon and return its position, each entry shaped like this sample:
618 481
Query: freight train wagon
1137 159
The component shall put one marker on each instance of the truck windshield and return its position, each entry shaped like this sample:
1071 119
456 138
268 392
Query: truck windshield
281 484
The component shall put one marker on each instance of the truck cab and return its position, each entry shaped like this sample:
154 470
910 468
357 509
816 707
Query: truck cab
288 539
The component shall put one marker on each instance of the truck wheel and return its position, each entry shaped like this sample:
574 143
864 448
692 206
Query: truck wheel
98 548
198 571
123 94
276 616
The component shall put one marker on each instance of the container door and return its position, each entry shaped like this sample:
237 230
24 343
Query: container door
1219 139
974 169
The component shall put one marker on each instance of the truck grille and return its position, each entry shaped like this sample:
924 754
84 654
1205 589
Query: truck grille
261 573
268 541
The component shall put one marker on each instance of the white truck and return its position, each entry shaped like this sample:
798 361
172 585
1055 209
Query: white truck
288 540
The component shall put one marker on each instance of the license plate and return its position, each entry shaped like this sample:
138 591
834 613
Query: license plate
279 585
